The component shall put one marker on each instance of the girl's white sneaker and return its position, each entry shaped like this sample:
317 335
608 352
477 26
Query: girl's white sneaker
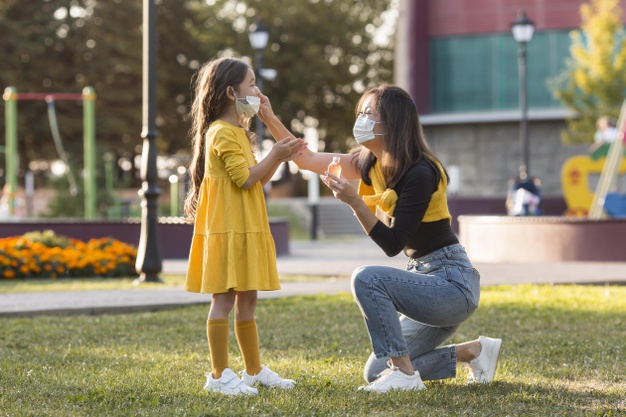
228 384
268 378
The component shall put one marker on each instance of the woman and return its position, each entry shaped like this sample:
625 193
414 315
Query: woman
401 204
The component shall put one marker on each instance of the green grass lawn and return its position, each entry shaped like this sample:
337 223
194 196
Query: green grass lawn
31 285
563 355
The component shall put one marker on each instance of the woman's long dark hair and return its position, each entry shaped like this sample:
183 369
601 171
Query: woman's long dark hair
404 143
210 85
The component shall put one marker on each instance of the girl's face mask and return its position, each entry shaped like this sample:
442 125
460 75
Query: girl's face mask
364 129
249 108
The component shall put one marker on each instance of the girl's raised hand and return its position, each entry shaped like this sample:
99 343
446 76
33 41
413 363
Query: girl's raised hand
288 148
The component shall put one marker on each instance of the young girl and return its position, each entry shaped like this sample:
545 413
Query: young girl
232 252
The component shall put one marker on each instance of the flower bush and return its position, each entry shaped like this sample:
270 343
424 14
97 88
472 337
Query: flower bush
46 255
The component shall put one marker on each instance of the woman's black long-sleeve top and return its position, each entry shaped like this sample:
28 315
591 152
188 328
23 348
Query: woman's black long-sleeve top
406 230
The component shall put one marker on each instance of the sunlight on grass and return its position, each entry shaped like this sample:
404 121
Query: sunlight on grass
561 355
31 285
82 284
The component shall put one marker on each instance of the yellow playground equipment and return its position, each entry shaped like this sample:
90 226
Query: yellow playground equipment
575 176
576 171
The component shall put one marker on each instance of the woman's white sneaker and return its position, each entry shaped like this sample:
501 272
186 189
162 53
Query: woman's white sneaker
268 378
228 384
483 368
394 379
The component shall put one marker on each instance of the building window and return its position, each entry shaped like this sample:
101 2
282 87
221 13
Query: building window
476 73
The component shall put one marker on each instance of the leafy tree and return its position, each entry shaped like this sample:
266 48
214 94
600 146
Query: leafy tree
60 46
33 61
594 83
324 52
65 45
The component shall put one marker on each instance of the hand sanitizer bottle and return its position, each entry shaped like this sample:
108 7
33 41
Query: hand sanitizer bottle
335 167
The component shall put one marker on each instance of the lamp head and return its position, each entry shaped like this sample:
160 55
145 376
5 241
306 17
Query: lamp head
522 28
259 35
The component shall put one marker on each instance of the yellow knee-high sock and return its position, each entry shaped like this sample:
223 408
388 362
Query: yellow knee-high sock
248 339
217 336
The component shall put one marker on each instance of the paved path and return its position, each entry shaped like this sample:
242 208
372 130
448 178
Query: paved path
333 259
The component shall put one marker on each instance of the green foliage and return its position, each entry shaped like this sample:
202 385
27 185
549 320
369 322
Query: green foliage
562 356
64 203
325 55
594 83
298 226
324 52
47 238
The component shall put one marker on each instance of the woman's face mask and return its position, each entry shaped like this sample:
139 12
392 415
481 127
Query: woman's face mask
364 129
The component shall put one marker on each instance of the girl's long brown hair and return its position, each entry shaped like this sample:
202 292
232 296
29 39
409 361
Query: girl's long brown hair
210 85
404 144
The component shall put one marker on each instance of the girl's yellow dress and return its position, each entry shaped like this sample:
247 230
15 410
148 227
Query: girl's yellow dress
232 247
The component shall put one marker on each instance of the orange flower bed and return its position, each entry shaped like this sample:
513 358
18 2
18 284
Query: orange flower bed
105 257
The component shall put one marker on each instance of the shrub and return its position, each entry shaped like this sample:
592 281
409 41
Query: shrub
48 238
46 255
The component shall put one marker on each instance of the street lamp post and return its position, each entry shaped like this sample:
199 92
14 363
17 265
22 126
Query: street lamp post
524 191
148 264
523 29
259 35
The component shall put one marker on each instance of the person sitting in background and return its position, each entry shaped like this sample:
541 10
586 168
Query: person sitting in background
606 133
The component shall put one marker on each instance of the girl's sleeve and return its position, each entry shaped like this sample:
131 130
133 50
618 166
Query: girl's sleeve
228 148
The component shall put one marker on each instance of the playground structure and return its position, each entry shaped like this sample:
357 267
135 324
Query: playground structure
605 201
88 97
575 176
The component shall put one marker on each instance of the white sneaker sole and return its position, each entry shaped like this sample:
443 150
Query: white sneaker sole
374 387
391 389
230 392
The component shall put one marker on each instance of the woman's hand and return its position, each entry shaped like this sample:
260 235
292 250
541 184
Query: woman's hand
265 111
345 192
341 188
288 148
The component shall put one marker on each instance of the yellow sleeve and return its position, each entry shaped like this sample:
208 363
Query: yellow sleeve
229 149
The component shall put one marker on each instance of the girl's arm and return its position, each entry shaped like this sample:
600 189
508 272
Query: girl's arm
313 161
270 173
282 151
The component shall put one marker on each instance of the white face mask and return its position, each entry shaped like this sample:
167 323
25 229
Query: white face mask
249 108
363 129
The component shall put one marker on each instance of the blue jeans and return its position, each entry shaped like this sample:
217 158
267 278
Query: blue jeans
434 296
